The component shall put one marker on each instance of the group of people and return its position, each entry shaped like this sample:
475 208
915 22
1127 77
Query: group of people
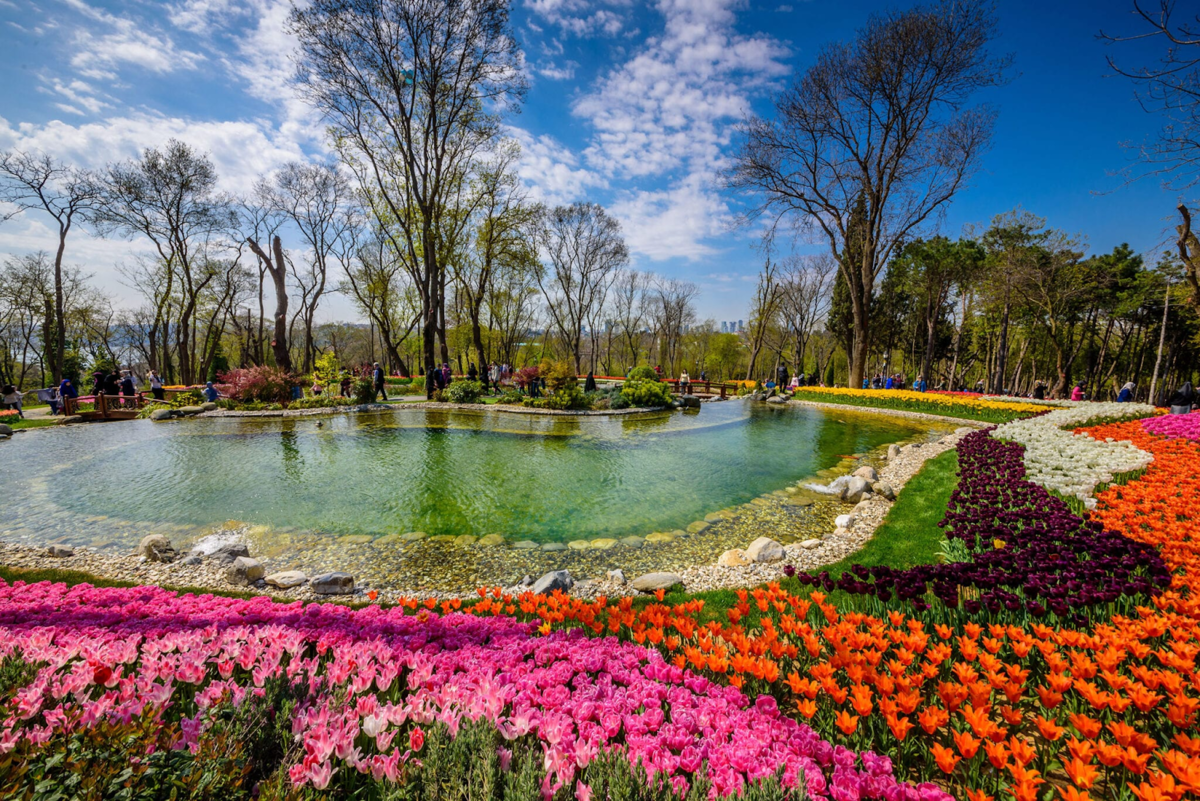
895 381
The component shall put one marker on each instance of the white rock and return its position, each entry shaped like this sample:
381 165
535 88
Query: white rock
856 488
287 579
617 575
734 557
656 581
844 521
867 472
810 544
333 584
60 551
764 549
893 451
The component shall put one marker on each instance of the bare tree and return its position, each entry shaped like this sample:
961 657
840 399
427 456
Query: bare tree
276 266
169 196
629 308
879 121
673 312
763 311
807 285
317 199
34 182
411 88
585 249
503 234
379 285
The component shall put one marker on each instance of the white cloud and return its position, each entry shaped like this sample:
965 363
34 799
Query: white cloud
551 171
673 102
582 18
555 72
80 94
240 150
674 222
129 41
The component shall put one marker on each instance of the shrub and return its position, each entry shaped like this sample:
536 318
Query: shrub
327 372
322 402
646 393
264 384
364 391
463 392
525 376
191 397
642 374
619 401
512 397
559 376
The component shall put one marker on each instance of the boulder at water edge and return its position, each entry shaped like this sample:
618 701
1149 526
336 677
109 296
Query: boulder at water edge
844 521
867 472
159 415
893 451
209 407
656 581
617 575
690 402
226 554
287 579
5 430
156 548
764 549
333 584
244 570
855 489
60 551
555 580
885 489
189 411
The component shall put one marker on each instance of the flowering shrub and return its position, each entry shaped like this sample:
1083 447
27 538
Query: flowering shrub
7 414
263 384
368 683
968 406
1073 464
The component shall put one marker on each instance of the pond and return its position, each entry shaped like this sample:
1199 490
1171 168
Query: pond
310 483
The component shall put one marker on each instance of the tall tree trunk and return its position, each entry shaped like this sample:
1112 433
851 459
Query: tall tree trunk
278 270
60 314
1162 338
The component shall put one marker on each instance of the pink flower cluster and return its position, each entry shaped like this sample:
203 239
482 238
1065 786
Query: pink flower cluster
375 677
1174 426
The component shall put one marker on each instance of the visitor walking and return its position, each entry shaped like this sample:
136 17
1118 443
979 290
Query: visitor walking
10 396
1184 399
472 373
380 384
112 384
431 382
66 390
1126 393
1039 391
446 375
156 385
1077 393
346 385
128 391
685 383
589 384
210 392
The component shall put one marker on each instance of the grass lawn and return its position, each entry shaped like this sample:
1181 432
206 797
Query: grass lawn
908 536
30 422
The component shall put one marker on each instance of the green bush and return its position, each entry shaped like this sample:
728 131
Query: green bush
512 397
463 392
327 372
190 397
646 393
642 374
321 402
559 376
364 391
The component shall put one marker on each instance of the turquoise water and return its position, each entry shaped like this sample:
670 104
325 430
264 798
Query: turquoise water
525 477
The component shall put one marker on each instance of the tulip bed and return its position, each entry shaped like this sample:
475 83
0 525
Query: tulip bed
356 692
969 407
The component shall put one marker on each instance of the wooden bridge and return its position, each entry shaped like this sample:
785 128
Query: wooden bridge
106 407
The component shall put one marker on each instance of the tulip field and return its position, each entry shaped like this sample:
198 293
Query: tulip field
1054 659
966 406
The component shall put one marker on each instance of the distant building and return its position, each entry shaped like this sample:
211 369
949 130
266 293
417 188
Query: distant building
741 326
724 327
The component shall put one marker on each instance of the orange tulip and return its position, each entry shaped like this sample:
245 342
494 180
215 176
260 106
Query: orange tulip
846 722
946 759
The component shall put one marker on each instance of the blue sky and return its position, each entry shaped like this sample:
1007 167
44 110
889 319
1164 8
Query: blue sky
631 104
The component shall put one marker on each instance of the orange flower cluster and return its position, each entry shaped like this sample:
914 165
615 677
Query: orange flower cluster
1003 710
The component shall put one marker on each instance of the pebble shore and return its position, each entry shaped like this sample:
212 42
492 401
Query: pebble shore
810 555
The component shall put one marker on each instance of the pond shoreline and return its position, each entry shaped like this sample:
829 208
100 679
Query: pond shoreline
807 556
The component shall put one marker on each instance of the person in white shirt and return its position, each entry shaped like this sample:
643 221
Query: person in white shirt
685 383
156 385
